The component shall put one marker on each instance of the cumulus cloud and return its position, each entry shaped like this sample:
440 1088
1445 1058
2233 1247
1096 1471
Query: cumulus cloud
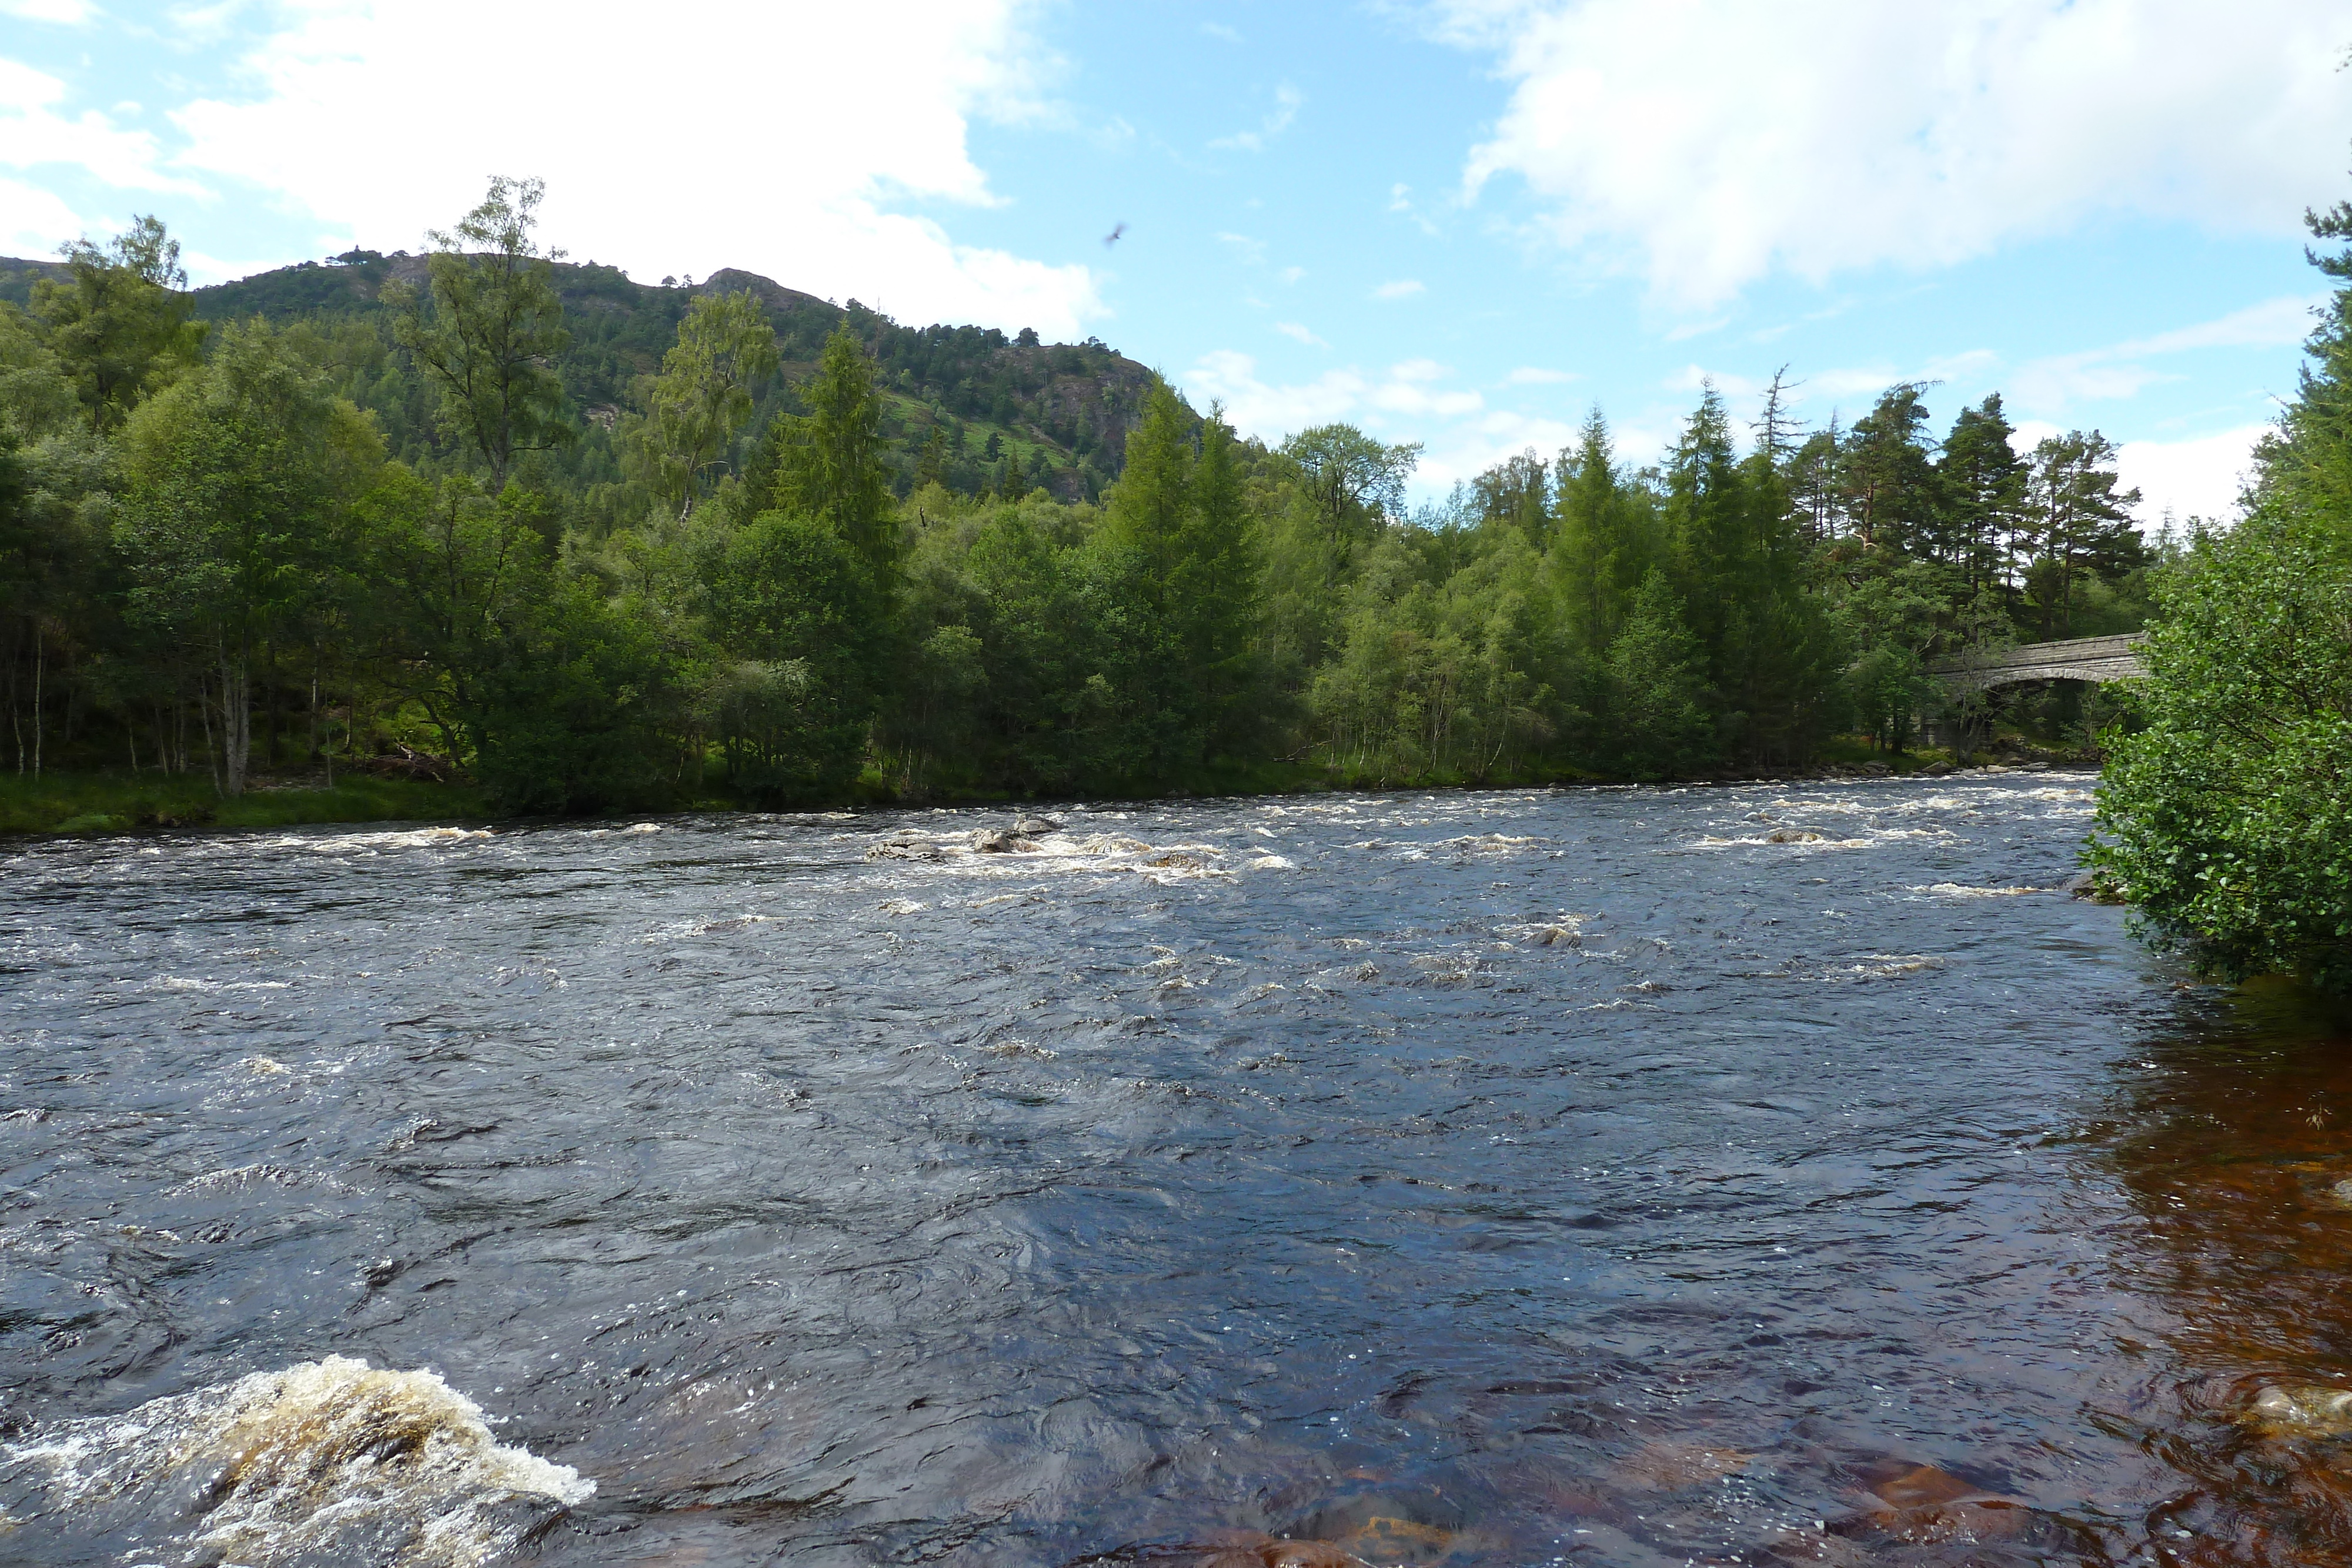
1468 450
1406 396
1536 376
35 222
2200 477
1706 144
1401 289
1294 330
66 13
804 191
34 134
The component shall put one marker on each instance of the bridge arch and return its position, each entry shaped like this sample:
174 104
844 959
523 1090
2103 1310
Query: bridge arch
2091 659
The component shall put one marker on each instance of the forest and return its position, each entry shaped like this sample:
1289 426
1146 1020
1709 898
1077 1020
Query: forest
603 545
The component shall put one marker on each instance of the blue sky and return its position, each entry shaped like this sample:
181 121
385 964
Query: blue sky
1462 223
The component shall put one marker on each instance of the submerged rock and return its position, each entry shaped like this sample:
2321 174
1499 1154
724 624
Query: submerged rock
2301 1410
2095 885
1677 1467
1405 1526
904 850
1307 1555
1035 827
1919 1505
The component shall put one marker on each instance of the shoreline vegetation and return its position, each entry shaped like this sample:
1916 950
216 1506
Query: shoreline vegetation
76 804
2226 818
595 547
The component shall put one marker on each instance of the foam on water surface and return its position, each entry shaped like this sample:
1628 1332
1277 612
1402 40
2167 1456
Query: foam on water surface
326 1460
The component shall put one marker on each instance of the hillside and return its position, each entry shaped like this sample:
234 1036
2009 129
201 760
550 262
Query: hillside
1062 409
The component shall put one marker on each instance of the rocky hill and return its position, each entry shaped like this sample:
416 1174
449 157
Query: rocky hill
1062 410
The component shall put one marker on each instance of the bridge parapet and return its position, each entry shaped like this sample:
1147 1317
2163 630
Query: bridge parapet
2076 659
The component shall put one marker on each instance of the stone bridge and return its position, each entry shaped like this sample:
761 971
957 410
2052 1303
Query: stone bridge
2079 659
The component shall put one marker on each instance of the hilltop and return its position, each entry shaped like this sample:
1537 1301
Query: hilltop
1064 410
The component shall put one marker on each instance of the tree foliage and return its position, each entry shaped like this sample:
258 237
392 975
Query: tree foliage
2228 820
793 552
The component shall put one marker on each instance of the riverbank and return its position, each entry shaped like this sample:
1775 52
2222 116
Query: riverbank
116 803
90 803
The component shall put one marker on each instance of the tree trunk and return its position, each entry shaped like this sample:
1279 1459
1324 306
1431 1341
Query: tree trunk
205 717
40 646
236 722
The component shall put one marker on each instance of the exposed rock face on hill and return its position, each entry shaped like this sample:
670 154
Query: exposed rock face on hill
1061 410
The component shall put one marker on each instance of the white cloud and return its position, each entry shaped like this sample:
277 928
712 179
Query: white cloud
1219 30
2195 479
1536 376
1286 100
1292 274
1401 201
1251 251
1468 450
1405 399
69 13
1271 412
2051 384
33 134
696 161
37 222
2275 323
1294 329
1401 288
1709 143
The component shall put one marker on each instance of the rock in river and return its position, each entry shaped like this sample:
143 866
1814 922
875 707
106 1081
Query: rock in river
2302 1410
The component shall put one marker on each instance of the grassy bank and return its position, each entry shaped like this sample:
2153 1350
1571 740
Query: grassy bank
119 803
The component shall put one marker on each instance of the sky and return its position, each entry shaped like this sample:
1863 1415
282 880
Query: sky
1461 223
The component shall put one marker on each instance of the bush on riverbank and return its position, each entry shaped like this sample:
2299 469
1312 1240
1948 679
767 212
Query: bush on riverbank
2229 817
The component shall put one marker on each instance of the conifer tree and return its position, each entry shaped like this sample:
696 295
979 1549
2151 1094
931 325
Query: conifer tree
1983 492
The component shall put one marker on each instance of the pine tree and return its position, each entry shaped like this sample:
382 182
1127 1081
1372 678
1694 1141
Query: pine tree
1600 553
1983 493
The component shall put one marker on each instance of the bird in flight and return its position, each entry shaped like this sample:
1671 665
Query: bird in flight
1112 237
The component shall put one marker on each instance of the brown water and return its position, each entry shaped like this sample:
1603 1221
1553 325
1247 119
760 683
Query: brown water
1748 1174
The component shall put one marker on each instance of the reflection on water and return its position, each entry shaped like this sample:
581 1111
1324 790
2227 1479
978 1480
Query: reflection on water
2231 1143
1754 1174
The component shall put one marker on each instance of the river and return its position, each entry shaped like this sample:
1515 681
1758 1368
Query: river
1755 1173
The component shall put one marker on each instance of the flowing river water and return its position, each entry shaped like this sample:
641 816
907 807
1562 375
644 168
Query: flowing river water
1743 1175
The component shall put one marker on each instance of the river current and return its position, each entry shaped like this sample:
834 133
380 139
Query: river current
1755 1173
